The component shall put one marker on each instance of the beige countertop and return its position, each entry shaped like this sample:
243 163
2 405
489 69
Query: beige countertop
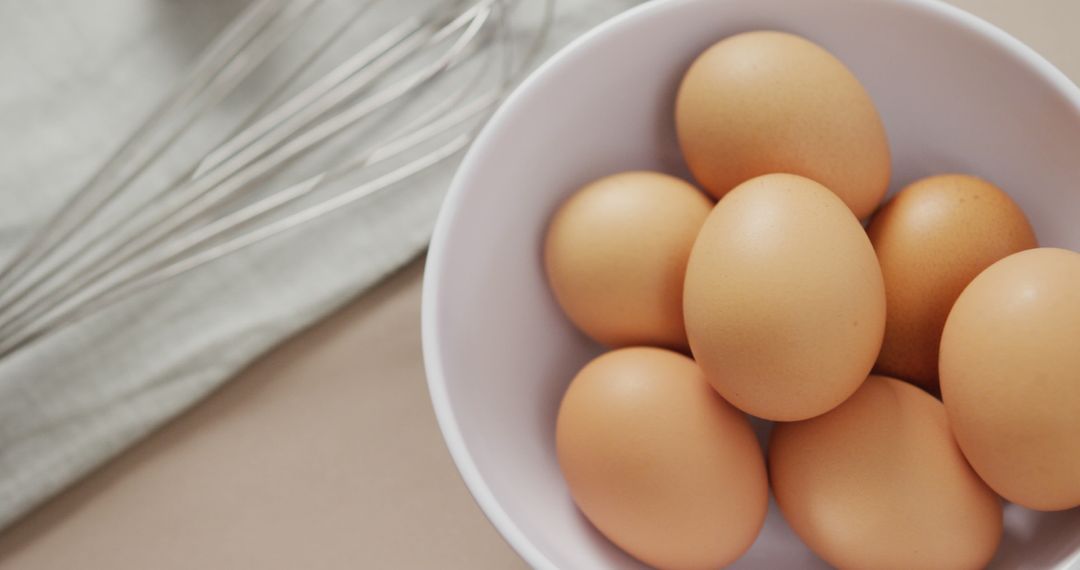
325 453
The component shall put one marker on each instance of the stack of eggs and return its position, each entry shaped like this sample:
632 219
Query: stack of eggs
775 302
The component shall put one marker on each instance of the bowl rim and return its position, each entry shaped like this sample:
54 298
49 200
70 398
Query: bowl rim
436 258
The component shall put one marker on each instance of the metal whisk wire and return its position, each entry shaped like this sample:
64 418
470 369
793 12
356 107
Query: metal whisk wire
95 193
192 199
145 250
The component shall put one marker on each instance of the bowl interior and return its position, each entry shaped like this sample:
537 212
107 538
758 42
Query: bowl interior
955 95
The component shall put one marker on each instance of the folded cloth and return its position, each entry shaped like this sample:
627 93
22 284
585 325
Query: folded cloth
76 79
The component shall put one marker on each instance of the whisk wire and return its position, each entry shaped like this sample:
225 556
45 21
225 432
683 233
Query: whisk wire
189 203
155 270
188 224
77 308
70 217
211 85
308 96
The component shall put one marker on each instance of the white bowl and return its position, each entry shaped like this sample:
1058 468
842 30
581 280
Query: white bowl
956 94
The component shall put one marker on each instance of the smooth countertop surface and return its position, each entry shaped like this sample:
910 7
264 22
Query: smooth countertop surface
325 453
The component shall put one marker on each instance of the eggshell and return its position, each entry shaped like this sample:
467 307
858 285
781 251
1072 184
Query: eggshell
616 255
763 102
1010 377
659 463
784 302
932 239
879 482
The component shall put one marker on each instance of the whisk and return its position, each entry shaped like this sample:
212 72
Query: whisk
120 234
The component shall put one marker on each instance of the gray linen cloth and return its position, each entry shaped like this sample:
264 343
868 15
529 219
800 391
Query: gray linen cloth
75 78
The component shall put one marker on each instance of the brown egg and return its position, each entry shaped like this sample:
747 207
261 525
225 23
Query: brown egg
784 303
659 463
879 482
932 239
616 255
1010 377
762 102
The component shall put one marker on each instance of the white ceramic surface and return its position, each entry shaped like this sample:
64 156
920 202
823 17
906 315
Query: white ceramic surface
956 94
